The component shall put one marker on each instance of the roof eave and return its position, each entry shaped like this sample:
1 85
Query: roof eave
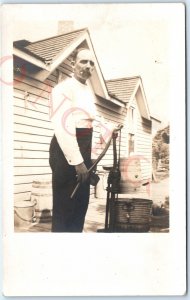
112 100
117 102
155 118
29 58
98 69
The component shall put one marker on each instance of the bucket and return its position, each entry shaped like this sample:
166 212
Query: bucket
160 216
24 213
160 222
132 215
42 194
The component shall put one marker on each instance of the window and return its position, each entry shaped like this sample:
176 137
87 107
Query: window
131 144
131 120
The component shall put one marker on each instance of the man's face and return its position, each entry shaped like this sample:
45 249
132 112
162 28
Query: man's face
84 65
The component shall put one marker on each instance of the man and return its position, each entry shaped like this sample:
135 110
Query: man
70 148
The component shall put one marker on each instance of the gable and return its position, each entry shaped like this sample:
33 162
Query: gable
47 49
50 53
128 90
141 102
122 88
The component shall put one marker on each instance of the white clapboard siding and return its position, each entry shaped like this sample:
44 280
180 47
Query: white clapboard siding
30 146
25 187
107 113
32 135
28 178
111 114
33 122
26 137
37 96
32 89
31 104
32 170
64 71
67 65
22 196
52 79
30 113
51 82
31 162
30 82
33 130
143 145
24 154
32 101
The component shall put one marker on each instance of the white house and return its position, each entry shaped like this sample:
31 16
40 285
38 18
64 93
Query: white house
39 66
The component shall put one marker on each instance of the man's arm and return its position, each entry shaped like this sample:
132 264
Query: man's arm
65 131
64 125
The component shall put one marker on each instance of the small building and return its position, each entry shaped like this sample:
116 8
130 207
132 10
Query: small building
138 125
38 67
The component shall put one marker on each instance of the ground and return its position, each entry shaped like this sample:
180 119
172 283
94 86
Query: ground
95 218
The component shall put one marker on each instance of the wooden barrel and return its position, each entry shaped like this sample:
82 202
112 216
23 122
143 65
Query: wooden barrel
131 175
132 215
42 194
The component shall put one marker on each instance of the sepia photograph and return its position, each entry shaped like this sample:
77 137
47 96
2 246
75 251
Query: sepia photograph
91 135
127 189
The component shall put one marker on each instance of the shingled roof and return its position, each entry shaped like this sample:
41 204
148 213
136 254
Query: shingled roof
122 88
47 49
52 51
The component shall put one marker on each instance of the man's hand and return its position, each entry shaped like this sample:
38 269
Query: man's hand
82 172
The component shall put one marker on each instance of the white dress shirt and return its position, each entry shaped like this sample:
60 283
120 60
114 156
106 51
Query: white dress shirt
72 106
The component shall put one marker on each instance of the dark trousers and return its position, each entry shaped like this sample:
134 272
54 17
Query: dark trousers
69 214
